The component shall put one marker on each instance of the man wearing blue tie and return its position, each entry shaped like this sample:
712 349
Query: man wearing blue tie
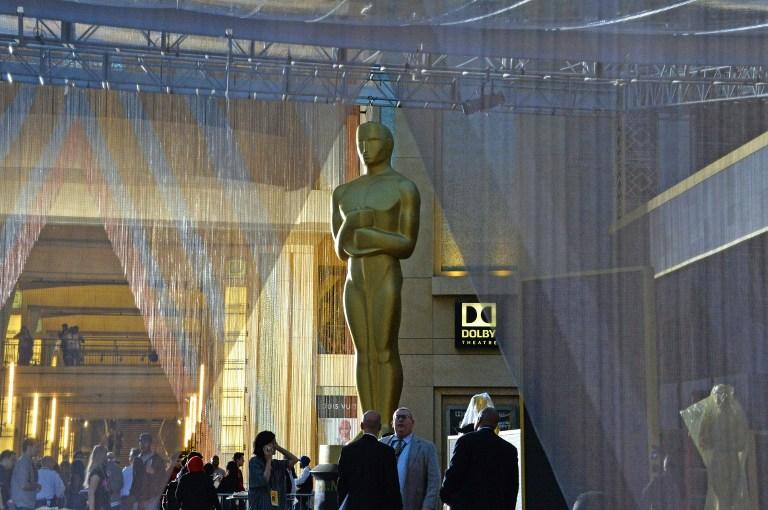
418 471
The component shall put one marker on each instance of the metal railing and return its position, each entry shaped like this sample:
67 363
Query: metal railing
48 353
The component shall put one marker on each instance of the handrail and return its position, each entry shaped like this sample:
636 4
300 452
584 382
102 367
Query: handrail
48 353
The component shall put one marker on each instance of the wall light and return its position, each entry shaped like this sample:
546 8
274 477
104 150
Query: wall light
9 397
65 435
35 414
52 423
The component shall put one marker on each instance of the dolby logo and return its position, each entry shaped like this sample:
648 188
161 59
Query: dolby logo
475 324
478 315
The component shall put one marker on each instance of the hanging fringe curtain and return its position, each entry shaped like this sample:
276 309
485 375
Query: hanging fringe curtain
217 212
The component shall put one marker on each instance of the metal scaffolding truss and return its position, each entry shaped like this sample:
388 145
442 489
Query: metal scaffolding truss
53 52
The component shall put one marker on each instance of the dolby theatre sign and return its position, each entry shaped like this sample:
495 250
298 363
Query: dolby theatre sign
475 324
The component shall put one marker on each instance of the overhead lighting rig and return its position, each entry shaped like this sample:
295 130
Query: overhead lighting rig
46 52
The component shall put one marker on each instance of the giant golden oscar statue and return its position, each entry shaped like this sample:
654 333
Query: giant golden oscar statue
375 224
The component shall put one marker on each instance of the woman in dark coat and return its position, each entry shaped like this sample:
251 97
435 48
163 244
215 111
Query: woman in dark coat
229 483
76 479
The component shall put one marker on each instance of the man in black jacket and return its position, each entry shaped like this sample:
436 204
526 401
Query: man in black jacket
195 490
368 471
483 470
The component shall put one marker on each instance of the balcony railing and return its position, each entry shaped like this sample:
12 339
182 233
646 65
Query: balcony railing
48 353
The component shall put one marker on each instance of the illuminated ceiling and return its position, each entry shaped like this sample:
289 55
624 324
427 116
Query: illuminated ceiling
527 55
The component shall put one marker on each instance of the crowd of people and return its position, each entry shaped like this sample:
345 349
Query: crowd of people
147 482
401 471
396 472
27 482
195 485
97 482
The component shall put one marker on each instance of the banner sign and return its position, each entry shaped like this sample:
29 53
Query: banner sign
337 421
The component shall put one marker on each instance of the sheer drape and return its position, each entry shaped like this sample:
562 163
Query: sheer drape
613 321
217 212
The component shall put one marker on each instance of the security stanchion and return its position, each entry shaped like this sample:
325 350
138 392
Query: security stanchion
325 475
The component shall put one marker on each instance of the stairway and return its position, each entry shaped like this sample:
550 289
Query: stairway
132 429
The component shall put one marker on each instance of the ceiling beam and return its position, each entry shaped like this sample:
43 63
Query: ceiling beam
32 281
120 410
95 382
96 335
56 311
603 46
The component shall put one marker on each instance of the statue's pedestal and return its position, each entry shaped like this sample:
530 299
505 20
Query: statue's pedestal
325 475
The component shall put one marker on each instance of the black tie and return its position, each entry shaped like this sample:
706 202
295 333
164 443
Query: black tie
399 446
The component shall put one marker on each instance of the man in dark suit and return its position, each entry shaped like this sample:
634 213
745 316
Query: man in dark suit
483 470
368 471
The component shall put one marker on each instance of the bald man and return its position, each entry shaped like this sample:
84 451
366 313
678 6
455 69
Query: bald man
483 470
368 471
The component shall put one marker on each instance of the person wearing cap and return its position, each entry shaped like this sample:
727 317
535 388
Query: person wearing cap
195 489
304 483
149 475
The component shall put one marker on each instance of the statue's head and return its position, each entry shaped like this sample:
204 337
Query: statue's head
374 143
722 393
481 401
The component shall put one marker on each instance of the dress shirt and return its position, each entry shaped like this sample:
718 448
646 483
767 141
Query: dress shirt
51 485
127 481
304 476
402 461
24 475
